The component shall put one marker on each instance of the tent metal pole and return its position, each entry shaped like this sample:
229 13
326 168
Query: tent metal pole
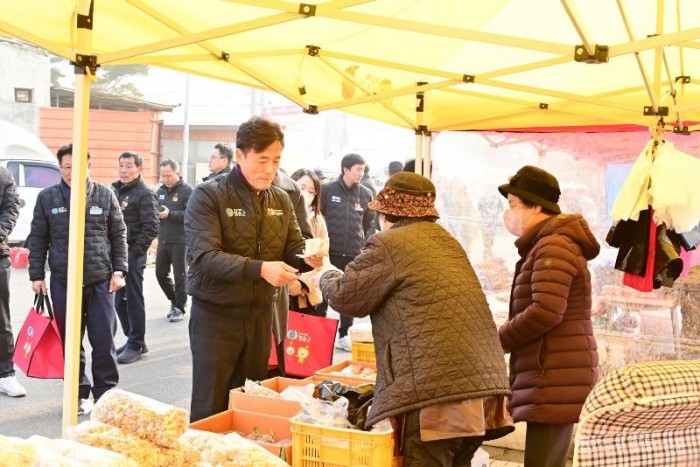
76 237
658 51
673 38
427 154
12 30
420 127
419 151
575 16
156 60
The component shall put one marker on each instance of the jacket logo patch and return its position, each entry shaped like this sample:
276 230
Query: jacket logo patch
161 196
336 199
275 212
235 212
175 198
125 203
61 210
95 211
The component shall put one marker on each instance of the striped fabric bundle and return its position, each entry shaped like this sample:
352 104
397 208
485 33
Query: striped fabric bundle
646 414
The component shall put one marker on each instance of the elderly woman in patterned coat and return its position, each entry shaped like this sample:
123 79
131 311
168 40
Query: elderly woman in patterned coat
549 334
441 376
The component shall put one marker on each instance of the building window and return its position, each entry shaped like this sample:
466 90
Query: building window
23 95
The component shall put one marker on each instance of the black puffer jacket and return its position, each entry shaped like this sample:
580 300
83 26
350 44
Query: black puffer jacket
434 336
105 234
213 175
172 228
230 232
140 210
348 218
9 209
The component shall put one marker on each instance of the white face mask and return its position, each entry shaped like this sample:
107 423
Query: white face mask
308 197
513 219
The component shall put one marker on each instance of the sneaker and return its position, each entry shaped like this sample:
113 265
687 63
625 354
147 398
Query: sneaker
85 406
343 343
121 349
176 315
10 386
172 310
129 356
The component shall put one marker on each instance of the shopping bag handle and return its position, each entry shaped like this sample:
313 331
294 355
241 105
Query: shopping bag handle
39 301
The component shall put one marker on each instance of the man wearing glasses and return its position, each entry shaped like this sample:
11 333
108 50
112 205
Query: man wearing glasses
104 267
219 161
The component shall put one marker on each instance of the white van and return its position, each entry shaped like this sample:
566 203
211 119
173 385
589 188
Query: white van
33 167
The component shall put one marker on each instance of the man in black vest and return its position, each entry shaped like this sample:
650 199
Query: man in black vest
140 210
172 195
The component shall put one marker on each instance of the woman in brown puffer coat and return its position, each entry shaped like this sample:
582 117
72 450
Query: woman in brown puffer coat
549 334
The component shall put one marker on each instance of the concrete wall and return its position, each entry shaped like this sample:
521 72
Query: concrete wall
23 66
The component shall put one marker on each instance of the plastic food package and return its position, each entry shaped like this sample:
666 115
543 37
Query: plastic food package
229 450
327 413
359 399
144 453
144 417
251 387
63 452
356 370
16 452
361 332
298 393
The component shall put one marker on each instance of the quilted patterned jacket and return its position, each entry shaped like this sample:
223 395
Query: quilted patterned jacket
434 336
553 361
229 234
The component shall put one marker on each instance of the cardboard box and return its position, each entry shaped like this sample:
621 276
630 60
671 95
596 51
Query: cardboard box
268 405
350 380
247 422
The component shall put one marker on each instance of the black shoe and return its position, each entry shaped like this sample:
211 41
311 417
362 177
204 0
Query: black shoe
121 349
129 356
176 315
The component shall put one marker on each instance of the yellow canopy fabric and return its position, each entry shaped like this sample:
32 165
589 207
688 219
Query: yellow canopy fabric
501 64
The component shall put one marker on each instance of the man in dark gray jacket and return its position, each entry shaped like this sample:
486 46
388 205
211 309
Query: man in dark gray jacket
243 242
140 210
104 268
9 211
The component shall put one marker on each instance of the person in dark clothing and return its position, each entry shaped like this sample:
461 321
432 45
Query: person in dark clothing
395 167
369 184
172 196
349 221
140 210
219 161
104 267
9 211
280 307
243 243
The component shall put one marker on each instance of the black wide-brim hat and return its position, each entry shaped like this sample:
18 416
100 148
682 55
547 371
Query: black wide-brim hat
534 185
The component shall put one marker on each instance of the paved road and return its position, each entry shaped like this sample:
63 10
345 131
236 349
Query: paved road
164 374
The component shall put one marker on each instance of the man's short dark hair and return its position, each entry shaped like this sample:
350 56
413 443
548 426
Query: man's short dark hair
350 160
66 149
138 160
257 134
170 163
395 167
225 150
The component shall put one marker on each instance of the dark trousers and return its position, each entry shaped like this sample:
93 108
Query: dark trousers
172 254
225 351
131 307
98 318
547 445
453 452
7 341
345 321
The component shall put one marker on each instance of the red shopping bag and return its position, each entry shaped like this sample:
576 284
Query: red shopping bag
39 352
308 346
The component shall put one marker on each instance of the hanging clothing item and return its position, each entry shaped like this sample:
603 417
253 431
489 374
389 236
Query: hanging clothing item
632 239
666 179
644 282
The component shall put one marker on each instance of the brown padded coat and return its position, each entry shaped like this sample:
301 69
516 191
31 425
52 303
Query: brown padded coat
434 335
553 361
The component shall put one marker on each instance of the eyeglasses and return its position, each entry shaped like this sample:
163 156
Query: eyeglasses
67 169
212 157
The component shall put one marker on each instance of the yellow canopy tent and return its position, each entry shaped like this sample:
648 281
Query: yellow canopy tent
429 65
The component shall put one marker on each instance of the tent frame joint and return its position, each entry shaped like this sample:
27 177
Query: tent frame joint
600 54
85 61
313 50
312 110
307 9
681 130
650 112
683 79
421 130
468 78
544 106
224 56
